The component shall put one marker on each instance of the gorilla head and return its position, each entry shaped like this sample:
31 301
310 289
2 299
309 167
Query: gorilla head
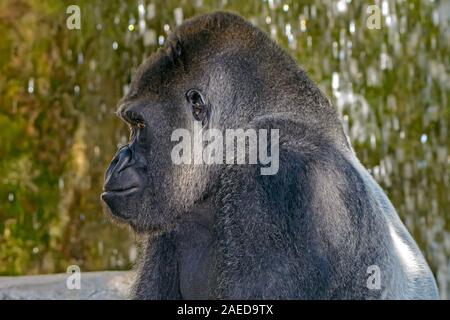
214 70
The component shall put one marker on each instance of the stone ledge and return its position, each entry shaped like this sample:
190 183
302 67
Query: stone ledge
104 285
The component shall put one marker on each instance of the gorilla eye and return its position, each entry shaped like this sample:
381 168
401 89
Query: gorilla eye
198 105
141 125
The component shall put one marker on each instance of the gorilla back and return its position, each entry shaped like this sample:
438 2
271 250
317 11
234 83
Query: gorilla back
320 228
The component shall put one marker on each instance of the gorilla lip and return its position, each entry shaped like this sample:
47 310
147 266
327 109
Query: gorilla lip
121 191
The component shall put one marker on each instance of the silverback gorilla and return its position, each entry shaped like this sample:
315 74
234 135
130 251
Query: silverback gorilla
320 228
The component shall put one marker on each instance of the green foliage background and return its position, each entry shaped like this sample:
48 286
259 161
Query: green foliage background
59 88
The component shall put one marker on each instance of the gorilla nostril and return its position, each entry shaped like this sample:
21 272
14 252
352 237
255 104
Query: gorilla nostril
120 162
124 160
117 178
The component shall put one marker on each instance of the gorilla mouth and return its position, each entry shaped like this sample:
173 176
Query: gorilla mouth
124 191
111 196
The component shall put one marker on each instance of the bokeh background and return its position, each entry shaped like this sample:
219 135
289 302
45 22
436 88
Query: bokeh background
59 89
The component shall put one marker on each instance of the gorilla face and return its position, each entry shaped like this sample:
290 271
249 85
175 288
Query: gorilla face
142 186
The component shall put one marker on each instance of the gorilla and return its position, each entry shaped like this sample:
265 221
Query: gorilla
320 228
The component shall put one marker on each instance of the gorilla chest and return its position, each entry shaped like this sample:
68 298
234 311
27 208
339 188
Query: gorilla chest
194 251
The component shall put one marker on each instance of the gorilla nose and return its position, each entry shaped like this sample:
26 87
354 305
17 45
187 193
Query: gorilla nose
121 160
120 174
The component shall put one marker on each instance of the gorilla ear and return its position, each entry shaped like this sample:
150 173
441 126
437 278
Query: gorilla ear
198 106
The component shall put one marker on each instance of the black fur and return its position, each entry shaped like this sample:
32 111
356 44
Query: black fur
226 231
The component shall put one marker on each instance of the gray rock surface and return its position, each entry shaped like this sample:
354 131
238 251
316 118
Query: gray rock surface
105 285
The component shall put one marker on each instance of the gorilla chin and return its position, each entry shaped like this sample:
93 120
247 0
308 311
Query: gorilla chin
117 202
